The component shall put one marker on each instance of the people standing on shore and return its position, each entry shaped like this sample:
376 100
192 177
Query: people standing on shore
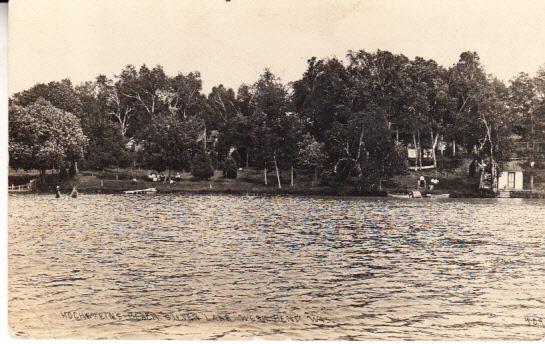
58 192
74 193
422 182
433 183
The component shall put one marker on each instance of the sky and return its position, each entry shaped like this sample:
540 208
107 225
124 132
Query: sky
232 42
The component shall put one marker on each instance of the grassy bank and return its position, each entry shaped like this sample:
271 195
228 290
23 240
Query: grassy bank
251 181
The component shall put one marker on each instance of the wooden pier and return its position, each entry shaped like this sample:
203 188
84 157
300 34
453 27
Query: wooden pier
141 192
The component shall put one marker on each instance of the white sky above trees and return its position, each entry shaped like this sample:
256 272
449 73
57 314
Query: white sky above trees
232 42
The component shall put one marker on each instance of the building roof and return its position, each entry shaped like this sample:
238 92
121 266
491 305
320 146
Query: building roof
512 166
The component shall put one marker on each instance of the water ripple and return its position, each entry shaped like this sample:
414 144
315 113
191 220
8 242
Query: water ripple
372 268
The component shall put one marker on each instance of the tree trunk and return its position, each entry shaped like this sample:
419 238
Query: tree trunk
315 180
416 149
277 172
532 181
357 160
71 170
62 171
291 176
453 147
419 151
42 176
433 145
204 139
247 157
76 170
434 158
532 134
265 175
492 161
359 146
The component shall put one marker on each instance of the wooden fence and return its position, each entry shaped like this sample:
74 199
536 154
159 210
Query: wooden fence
28 187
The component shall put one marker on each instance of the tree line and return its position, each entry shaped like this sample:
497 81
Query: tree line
341 121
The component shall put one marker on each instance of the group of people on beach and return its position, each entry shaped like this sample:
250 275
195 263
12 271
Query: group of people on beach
423 185
73 194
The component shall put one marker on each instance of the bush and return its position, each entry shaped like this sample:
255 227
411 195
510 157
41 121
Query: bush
201 166
346 168
230 169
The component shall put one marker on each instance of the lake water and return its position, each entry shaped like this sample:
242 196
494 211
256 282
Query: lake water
238 267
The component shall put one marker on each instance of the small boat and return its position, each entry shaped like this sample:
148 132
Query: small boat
141 192
415 194
399 195
437 195
412 194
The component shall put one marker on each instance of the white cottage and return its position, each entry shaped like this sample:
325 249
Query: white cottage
511 177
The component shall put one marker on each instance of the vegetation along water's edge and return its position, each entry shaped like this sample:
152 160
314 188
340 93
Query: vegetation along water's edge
376 123
248 183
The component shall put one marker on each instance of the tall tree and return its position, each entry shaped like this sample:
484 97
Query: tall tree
145 91
42 136
322 95
527 107
467 85
171 141
289 129
222 104
239 132
378 81
60 94
115 103
181 94
480 117
427 104
106 141
269 104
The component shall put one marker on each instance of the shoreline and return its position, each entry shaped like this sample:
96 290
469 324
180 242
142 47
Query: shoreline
282 192
250 182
